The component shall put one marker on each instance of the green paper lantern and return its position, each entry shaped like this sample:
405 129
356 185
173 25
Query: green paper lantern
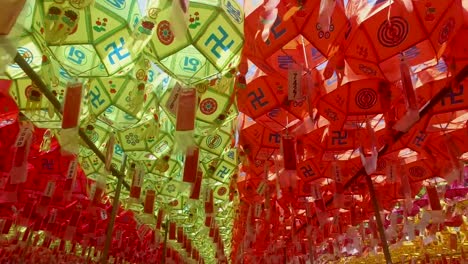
90 41
212 43
122 101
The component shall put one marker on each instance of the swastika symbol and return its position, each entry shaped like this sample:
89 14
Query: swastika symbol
48 164
307 171
453 96
275 137
273 30
223 172
116 51
219 42
420 138
340 137
257 98
96 100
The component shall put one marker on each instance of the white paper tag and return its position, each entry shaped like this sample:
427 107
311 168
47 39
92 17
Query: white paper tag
139 175
295 83
50 189
171 103
336 170
109 151
103 214
23 135
71 172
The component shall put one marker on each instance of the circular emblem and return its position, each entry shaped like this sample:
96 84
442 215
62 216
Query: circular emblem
393 32
417 172
213 141
222 191
27 55
208 106
165 34
366 98
447 29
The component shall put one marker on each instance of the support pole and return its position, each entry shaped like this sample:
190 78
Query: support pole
115 208
58 108
378 219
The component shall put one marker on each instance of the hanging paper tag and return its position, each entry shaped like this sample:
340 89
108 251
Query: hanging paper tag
50 189
289 152
109 151
103 214
171 103
195 194
433 198
159 219
295 83
137 183
172 231
72 167
149 202
72 105
191 164
258 210
53 216
262 187
316 193
23 135
186 110
392 172
370 162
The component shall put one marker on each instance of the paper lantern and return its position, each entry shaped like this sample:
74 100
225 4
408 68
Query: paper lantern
90 41
122 101
208 43
383 33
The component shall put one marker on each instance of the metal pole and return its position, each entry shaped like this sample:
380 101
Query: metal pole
58 108
115 207
378 219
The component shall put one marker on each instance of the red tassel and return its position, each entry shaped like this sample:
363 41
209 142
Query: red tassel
149 202
289 152
71 108
191 165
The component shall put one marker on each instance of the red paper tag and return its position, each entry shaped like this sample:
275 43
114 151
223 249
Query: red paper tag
149 202
71 108
186 110
191 165
197 186
433 198
289 152
172 231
